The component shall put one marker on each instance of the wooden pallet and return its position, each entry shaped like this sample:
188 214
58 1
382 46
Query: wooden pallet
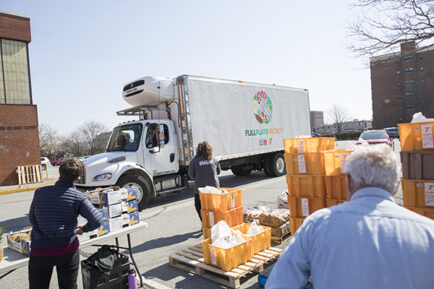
280 240
29 174
191 260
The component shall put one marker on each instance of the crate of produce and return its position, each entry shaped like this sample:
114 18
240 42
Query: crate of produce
303 207
429 213
294 224
416 136
221 202
19 241
259 242
418 165
335 161
308 145
304 164
232 217
274 218
336 187
281 231
418 193
225 259
331 202
306 186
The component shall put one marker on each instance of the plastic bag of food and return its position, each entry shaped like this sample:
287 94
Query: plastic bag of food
212 190
254 229
221 230
282 200
253 213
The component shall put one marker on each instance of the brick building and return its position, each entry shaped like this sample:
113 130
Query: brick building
402 84
19 140
316 119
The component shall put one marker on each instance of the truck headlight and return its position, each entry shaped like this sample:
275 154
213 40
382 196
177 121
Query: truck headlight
102 177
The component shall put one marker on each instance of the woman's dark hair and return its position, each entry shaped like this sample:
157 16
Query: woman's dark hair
70 170
204 149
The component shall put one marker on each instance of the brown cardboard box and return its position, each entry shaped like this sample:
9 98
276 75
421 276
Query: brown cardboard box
281 231
275 218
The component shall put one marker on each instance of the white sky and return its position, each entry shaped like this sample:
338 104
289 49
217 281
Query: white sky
83 52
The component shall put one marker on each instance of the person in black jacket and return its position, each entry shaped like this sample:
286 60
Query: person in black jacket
54 242
203 170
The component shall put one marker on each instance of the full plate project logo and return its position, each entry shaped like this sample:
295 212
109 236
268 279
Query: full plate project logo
263 107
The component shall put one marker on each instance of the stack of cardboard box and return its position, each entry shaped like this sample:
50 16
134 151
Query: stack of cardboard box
417 157
221 206
227 207
306 190
118 208
278 221
315 176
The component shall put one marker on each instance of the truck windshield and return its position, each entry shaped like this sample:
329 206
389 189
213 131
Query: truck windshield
125 138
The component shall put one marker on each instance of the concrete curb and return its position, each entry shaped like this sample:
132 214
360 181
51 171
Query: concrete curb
149 284
19 190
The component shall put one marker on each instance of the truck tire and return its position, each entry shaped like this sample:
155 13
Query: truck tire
267 169
241 170
141 185
276 165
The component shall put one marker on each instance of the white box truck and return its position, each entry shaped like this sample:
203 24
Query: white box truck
244 122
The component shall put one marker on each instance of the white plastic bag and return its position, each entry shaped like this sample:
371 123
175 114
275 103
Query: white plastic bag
419 117
282 200
212 190
221 230
254 229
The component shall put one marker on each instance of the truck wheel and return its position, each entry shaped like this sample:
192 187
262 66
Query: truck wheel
276 165
141 185
241 170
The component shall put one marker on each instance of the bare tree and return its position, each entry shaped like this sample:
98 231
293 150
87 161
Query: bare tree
48 140
338 115
74 143
383 24
91 130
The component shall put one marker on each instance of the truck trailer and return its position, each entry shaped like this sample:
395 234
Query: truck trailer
244 122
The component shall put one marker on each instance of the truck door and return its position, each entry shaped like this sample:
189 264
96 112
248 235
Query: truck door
160 149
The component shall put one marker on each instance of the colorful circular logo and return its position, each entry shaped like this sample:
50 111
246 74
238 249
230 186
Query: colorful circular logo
263 107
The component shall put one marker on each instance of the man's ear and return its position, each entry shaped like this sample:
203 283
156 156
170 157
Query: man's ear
396 189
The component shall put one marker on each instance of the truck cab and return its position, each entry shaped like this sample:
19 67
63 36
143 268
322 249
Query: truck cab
140 154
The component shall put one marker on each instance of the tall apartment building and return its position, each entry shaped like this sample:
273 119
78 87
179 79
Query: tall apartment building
402 84
19 140
316 119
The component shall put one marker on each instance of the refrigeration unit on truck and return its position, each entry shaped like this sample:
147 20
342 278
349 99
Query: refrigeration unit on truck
244 122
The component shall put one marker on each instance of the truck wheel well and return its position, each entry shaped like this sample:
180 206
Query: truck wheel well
142 174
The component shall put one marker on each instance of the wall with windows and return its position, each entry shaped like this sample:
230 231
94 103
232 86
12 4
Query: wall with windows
19 139
402 84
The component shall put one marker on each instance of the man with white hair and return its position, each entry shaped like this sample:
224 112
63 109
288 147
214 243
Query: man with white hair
368 242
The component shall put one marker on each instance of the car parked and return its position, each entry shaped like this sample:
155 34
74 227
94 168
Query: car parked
373 137
45 161
58 162
393 132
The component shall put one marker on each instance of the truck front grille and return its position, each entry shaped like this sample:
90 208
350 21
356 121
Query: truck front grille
82 179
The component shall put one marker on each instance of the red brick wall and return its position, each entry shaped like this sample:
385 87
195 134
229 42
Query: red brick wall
14 27
19 140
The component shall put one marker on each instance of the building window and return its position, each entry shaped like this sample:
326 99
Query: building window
399 96
398 72
421 68
2 88
410 81
408 57
16 73
409 93
421 56
397 61
398 84
408 69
